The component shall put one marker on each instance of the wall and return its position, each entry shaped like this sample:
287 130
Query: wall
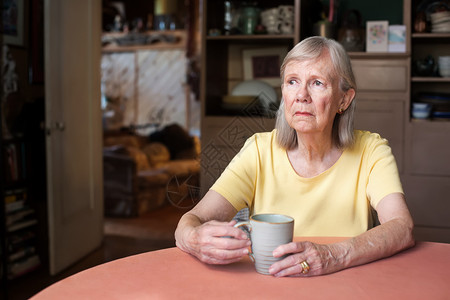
391 10
370 10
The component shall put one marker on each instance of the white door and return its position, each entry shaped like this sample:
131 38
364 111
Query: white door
74 129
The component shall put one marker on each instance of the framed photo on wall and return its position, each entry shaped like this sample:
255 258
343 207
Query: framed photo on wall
263 64
13 27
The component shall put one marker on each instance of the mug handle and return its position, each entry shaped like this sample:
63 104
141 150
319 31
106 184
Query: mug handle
247 228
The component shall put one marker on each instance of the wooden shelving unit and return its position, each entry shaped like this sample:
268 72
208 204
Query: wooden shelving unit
110 41
427 141
222 69
386 88
20 215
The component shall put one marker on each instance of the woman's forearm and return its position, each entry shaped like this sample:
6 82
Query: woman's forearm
210 218
205 240
184 229
379 242
393 235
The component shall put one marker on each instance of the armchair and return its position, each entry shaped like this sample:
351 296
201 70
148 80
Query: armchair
141 174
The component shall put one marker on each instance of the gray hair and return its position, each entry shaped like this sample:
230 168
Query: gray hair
309 49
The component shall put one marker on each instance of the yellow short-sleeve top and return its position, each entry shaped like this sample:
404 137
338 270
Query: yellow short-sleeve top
336 202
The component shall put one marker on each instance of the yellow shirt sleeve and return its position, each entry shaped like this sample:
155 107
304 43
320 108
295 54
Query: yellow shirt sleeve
382 173
238 180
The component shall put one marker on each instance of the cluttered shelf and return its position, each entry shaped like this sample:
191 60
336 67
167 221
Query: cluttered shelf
21 237
431 106
251 37
430 79
148 40
19 214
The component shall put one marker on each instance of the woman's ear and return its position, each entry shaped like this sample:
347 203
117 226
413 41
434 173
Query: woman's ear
348 98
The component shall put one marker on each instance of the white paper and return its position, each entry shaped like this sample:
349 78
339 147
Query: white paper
377 33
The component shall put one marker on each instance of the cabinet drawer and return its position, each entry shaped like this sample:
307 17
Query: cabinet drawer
381 75
430 148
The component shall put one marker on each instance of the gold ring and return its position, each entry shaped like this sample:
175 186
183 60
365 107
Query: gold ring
305 267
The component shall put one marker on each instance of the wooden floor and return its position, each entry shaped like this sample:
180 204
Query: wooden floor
123 237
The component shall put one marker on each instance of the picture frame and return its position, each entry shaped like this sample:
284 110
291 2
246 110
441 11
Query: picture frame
13 29
377 33
397 38
263 64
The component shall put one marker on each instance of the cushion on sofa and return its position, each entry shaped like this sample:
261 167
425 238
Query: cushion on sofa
181 167
124 140
174 137
139 157
157 154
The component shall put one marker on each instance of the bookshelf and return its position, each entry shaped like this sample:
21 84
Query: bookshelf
20 245
21 222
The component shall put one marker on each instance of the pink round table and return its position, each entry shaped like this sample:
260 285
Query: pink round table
422 272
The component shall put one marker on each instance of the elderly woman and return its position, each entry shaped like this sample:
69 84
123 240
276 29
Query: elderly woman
313 167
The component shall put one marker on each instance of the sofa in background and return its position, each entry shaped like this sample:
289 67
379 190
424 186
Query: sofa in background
144 173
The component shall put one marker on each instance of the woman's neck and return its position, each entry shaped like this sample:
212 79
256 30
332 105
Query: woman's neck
314 147
313 155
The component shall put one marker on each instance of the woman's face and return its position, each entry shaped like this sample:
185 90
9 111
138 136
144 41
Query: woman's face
312 95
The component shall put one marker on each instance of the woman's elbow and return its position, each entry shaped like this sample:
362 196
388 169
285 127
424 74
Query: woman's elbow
409 233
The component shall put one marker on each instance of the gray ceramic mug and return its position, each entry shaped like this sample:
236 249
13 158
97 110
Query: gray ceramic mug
267 232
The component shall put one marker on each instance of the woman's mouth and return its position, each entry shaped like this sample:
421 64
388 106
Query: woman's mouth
302 113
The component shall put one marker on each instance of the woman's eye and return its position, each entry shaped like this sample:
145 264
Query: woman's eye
317 83
291 82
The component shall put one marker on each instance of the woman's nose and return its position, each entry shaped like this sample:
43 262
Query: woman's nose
302 94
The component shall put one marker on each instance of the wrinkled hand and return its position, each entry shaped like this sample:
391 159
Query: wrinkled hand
217 242
322 259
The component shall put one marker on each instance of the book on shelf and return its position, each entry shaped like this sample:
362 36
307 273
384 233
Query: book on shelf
18 239
15 200
15 162
22 253
15 195
14 206
11 159
21 225
18 215
23 266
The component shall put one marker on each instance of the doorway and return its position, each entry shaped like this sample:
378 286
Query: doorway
144 89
